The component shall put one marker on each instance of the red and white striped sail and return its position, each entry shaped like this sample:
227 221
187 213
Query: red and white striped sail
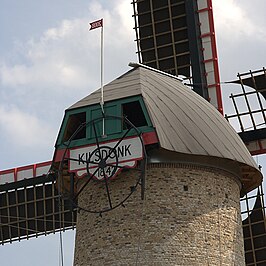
210 57
24 172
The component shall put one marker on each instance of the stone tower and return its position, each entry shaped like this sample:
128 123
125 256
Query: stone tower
196 169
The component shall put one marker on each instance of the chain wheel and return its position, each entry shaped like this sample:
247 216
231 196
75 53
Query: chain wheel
108 175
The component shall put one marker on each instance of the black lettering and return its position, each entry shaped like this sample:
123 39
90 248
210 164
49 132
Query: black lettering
98 156
87 156
120 151
101 173
104 154
112 154
108 171
81 160
127 151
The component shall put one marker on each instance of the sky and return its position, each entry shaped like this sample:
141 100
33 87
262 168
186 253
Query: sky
49 60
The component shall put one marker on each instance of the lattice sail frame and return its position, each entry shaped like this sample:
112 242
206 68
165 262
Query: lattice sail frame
254 227
178 37
250 110
33 207
250 121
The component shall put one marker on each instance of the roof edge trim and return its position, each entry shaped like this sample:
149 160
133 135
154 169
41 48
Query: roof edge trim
135 65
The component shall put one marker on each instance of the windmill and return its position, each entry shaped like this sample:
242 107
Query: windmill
21 173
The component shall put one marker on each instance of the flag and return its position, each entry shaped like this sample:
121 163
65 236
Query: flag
96 24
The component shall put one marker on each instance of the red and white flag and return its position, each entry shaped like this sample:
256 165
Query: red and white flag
96 24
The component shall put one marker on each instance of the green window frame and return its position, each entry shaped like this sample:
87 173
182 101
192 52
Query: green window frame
116 128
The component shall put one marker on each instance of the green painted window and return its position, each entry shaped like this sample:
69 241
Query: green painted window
112 125
133 108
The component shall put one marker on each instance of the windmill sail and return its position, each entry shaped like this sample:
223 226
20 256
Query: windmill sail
179 38
254 230
250 110
255 80
30 205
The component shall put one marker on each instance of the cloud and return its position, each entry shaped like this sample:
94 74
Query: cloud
56 60
235 21
67 56
241 37
50 72
24 129
26 138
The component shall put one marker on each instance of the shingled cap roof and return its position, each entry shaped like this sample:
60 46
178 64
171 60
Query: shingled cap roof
184 121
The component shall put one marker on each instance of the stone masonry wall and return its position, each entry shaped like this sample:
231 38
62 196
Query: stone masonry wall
190 216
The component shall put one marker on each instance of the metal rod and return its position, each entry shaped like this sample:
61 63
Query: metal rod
258 96
237 114
154 35
241 94
247 102
102 95
247 73
246 113
137 30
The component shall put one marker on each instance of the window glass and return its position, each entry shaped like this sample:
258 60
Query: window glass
73 123
134 113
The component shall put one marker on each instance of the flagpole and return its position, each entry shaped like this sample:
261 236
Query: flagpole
94 25
102 98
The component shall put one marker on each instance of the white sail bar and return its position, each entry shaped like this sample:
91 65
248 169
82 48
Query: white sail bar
24 172
205 12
